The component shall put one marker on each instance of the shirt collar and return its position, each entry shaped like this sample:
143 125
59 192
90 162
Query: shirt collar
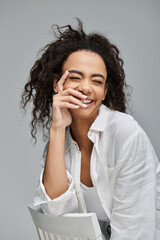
101 120
99 125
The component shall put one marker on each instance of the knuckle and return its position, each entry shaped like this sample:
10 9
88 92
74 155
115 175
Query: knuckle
54 105
54 98
70 98
55 101
70 90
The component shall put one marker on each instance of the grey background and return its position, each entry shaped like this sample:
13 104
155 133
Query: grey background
25 27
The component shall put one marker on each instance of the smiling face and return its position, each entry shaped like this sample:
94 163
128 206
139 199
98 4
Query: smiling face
87 74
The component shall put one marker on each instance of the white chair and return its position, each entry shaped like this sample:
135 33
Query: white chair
69 226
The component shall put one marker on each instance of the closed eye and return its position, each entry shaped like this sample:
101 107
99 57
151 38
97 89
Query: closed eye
74 78
96 81
77 78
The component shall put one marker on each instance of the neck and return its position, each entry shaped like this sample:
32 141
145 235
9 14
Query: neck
79 131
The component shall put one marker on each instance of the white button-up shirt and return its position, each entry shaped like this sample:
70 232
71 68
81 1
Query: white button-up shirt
125 172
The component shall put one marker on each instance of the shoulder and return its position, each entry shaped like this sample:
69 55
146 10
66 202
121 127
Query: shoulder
123 132
113 121
119 123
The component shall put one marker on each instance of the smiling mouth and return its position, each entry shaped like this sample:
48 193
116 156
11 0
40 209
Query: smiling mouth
86 101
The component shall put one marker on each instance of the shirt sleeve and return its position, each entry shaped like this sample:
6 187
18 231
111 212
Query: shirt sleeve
134 192
66 203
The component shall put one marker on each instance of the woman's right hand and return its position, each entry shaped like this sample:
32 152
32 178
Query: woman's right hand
62 102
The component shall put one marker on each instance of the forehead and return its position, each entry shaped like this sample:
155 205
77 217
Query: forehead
85 61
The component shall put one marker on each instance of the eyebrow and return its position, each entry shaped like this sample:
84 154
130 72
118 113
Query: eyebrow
93 75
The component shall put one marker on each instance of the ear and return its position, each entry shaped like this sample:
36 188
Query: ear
105 92
55 88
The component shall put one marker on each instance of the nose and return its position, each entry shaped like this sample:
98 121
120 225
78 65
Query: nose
85 87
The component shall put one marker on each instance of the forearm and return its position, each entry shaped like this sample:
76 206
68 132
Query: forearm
55 176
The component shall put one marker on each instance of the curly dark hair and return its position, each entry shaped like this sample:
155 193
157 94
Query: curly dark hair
39 88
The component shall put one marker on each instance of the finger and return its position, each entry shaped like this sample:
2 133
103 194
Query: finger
62 81
72 100
66 105
75 93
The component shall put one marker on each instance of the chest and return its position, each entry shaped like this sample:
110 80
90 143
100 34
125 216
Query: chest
85 176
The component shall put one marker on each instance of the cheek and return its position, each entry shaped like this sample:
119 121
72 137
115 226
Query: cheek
100 94
66 85
69 84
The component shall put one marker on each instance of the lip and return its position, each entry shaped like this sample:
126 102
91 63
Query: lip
89 99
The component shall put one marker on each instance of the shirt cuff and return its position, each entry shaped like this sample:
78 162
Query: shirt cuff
66 203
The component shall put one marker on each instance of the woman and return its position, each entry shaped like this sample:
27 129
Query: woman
98 159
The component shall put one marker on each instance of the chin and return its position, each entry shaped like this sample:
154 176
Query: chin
86 113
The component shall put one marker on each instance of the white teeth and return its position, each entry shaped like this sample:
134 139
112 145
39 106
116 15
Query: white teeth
86 101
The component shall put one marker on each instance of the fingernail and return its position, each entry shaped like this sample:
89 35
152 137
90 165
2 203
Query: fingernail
84 96
84 105
66 72
76 106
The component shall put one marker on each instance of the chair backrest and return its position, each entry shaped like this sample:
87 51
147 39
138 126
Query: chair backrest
67 226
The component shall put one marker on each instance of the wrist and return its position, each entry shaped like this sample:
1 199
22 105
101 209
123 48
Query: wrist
56 130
